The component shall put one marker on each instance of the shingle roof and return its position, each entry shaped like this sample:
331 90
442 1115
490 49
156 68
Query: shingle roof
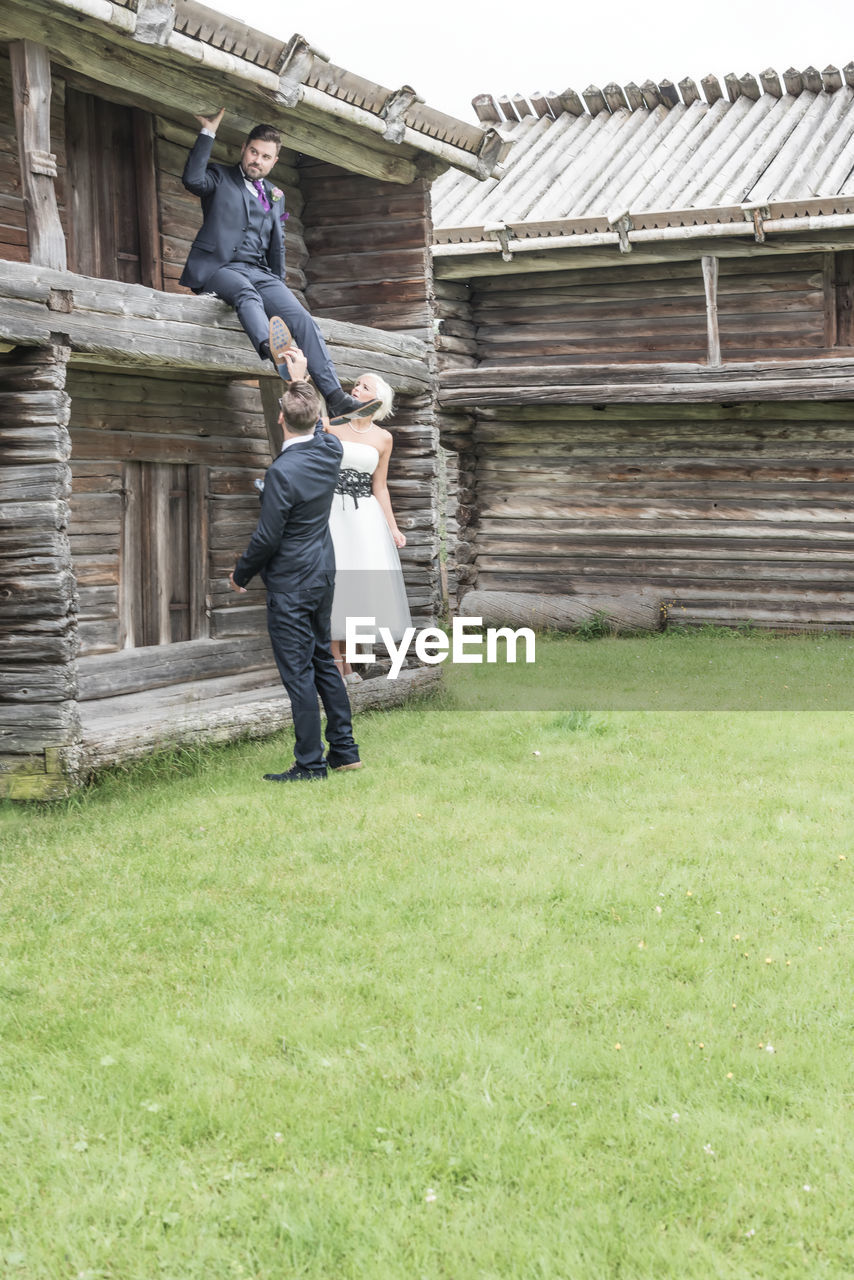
290 74
650 149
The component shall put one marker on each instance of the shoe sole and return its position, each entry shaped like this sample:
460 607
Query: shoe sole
363 411
279 339
339 768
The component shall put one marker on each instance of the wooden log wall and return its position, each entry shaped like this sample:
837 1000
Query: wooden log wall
728 513
369 263
772 307
369 260
39 728
13 223
456 348
214 428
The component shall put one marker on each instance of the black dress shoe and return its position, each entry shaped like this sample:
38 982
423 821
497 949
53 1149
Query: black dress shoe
296 773
341 762
343 407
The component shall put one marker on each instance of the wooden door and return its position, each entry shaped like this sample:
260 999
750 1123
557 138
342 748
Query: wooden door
113 223
163 554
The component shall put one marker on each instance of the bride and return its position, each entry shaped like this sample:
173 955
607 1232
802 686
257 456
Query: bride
368 578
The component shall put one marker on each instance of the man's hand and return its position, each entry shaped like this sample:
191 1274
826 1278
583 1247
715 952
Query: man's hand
297 364
211 122
241 591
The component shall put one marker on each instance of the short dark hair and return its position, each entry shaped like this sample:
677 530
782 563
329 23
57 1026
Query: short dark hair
265 133
300 405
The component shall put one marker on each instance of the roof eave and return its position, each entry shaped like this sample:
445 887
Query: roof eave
296 76
624 230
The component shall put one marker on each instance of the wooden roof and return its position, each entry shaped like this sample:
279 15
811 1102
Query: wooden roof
183 58
626 161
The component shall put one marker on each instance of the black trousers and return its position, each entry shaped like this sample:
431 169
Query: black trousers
256 294
298 622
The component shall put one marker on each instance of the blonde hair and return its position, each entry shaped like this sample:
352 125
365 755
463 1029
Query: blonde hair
384 394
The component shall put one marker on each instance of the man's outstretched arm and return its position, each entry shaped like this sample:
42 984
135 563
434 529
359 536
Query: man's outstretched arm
196 176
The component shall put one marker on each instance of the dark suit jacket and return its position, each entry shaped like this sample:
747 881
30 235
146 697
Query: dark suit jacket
225 205
291 547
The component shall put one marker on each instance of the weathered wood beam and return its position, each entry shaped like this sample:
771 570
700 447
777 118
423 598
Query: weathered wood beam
595 100
270 396
469 267
749 87
540 103
831 79
812 80
684 383
651 95
710 284
150 256
635 609
485 109
110 732
615 97
690 92
112 322
711 87
793 81
31 90
571 102
771 83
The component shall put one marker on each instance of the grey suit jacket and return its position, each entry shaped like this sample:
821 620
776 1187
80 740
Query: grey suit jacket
225 205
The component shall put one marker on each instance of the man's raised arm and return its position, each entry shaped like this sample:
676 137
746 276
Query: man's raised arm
196 176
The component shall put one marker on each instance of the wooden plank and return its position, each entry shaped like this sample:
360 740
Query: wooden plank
111 321
199 523
145 169
31 85
131 671
710 283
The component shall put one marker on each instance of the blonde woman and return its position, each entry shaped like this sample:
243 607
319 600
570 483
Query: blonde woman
368 578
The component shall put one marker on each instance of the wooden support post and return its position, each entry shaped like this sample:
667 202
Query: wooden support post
150 258
844 298
710 283
828 280
31 89
270 394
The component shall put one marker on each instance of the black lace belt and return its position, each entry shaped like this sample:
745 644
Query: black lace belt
356 483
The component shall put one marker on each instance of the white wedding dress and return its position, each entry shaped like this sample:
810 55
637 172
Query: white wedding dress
368 578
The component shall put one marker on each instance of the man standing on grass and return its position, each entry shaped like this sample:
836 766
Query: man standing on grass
292 550
239 254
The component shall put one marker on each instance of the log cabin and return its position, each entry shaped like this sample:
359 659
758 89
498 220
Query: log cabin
647 354
133 415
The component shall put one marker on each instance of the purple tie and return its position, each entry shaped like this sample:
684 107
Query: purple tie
262 195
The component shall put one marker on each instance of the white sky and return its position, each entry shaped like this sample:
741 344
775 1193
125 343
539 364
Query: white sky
451 50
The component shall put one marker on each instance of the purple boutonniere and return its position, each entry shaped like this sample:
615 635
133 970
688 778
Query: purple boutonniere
277 196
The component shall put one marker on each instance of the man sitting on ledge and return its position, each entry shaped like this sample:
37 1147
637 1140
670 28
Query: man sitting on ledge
239 254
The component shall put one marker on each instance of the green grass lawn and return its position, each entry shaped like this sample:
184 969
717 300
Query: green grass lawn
536 994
